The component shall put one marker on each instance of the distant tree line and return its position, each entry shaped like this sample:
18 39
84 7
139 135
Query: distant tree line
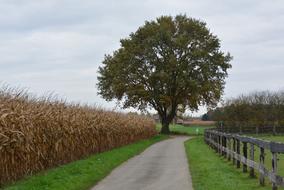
257 109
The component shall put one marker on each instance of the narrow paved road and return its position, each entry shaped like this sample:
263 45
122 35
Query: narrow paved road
163 166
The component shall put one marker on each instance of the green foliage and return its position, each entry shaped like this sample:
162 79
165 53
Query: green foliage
83 174
210 171
205 117
166 63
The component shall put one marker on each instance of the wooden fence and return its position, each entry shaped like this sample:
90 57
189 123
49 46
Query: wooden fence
229 145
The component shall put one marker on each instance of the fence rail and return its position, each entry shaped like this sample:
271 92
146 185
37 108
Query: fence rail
229 146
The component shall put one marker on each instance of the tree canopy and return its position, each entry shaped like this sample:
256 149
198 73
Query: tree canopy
167 62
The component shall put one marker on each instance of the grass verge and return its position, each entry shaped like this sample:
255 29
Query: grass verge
83 174
210 171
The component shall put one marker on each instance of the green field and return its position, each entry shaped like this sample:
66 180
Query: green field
83 174
194 130
211 172
277 138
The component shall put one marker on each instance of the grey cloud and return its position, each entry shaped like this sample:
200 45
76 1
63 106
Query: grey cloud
57 45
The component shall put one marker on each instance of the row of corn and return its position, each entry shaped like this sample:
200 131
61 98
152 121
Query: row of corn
41 133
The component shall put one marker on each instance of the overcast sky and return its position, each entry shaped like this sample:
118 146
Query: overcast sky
57 46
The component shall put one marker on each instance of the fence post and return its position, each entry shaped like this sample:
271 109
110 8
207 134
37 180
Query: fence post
238 152
220 144
225 146
245 153
216 142
261 165
274 168
234 151
251 171
230 149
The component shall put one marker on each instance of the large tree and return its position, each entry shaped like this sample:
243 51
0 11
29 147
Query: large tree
168 62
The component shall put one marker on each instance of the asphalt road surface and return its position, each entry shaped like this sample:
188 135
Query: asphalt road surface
163 166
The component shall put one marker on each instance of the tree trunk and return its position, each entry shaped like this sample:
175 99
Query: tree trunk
166 119
165 127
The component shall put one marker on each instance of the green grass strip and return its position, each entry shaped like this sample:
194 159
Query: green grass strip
210 171
193 130
83 174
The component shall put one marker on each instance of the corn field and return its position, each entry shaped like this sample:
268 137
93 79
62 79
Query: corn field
41 133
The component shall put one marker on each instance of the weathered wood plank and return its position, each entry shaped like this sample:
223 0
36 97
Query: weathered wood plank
245 153
274 169
234 150
238 153
229 148
277 147
251 171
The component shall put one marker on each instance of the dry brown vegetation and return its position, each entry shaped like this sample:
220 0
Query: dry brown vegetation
197 122
40 133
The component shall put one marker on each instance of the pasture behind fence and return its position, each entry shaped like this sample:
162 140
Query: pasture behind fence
229 145
244 129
